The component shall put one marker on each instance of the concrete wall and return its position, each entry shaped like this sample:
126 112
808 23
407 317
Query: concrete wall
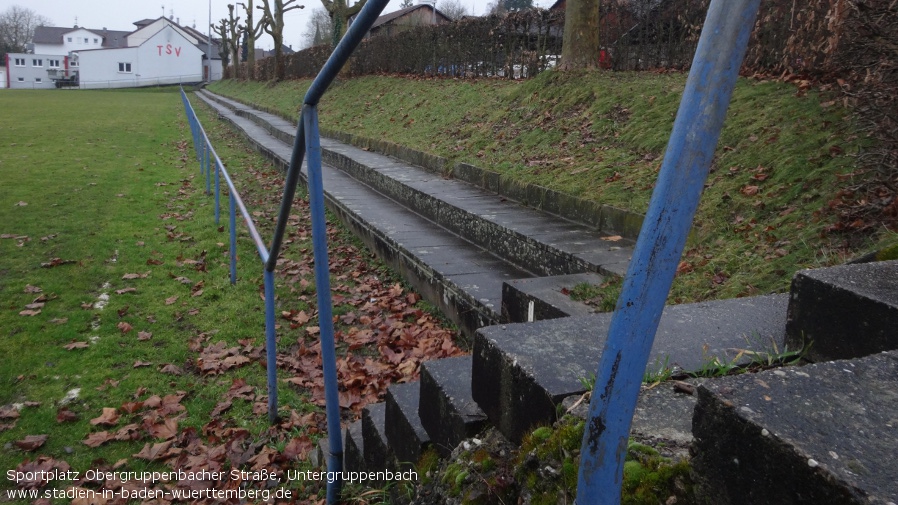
2 77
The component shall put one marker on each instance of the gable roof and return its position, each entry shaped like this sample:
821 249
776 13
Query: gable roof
55 34
387 18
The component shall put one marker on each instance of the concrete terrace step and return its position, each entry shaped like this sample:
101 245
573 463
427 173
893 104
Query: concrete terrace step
537 241
404 432
847 311
446 408
462 279
522 372
820 434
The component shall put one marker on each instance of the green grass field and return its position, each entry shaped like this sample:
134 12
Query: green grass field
123 344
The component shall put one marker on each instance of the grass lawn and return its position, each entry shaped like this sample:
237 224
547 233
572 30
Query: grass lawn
123 345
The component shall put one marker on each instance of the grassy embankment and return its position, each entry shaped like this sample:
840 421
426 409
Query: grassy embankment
782 156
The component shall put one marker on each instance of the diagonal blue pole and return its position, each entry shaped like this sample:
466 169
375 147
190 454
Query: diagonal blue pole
690 150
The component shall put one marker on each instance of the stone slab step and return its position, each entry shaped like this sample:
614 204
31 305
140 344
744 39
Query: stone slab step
354 448
378 455
405 435
539 298
825 433
462 279
521 372
447 410
534 240
847 311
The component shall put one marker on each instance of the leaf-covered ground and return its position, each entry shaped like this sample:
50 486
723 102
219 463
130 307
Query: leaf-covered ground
124 348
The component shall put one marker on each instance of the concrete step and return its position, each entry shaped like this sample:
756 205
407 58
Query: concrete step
405 435
539 298
377 453
824 433
354 448
463 280
447 410
522 372
542 243
847 311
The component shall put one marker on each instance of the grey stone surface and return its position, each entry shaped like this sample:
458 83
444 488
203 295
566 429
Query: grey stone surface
663 415
825 433
429 261
404 432
519 388
847 311
523 237
547 296
447 410
378 455
354 447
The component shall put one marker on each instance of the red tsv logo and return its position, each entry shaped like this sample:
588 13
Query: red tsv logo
168 49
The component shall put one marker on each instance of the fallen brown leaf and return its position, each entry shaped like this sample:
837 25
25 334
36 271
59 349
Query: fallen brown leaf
109 417
31 442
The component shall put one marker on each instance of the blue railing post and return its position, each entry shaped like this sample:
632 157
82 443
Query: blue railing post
715 69
207 166
217 194
271 347
323 288
233 231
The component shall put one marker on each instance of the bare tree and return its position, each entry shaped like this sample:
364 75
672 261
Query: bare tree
252 31
580 45
273 23
230 39
17 26
318 29
406 4
340 14
453 9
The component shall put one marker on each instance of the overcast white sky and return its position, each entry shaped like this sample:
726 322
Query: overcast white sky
121 14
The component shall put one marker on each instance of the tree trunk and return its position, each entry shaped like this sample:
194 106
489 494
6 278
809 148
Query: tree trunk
580 47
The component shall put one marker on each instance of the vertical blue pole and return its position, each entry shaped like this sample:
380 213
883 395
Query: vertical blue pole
217 193
690 150
207 166
233 208
271 347
323 287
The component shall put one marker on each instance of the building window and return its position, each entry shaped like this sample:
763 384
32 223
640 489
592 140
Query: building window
124 67
96 40
53 63
73 63
38 80
20 62
70 39
21 79
37 63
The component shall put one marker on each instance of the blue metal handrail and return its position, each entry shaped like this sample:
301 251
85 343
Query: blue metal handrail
206 152
650 274
307 140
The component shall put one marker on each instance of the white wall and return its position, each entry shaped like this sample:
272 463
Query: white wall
149 31
81 39
33 74
2 77
165 58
